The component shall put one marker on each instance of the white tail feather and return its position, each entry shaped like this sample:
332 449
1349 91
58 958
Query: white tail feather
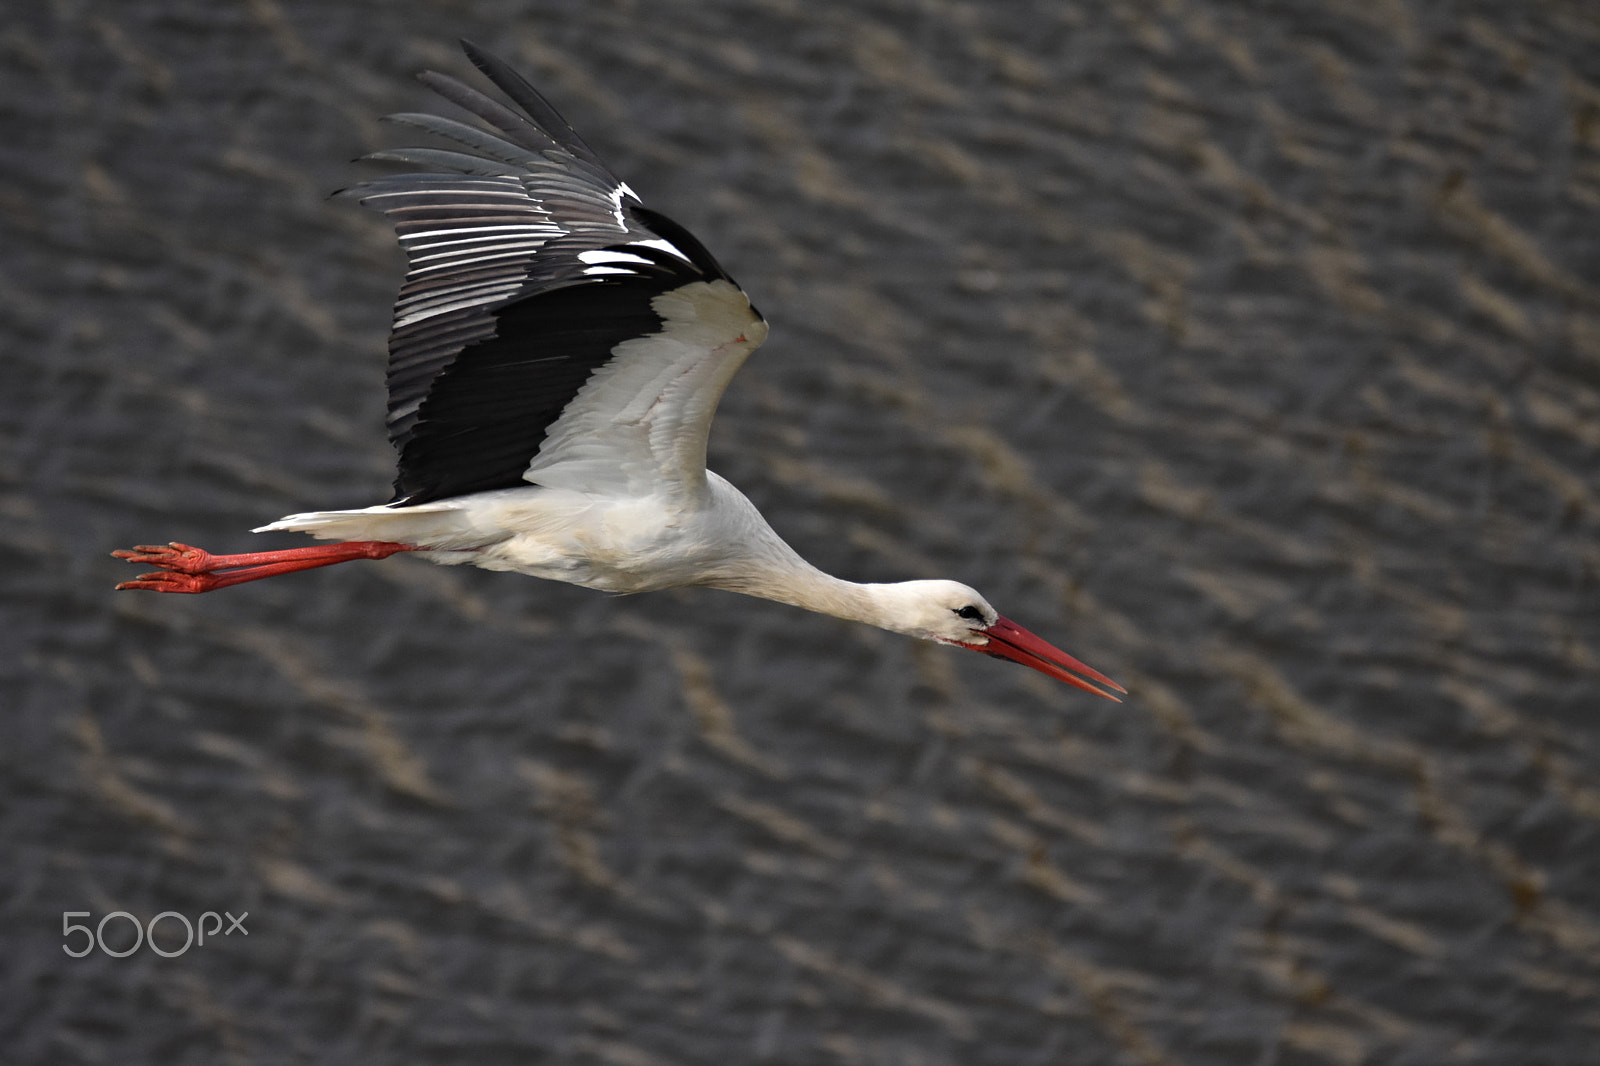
422 524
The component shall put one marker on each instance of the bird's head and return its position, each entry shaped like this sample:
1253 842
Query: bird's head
951 613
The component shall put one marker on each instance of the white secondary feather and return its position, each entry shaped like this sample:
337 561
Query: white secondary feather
639 425
607 255
660 245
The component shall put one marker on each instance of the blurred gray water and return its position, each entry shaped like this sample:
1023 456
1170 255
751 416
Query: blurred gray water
1249 352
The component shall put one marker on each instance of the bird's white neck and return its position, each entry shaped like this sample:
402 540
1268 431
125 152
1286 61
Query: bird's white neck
794 581
767 567
764 565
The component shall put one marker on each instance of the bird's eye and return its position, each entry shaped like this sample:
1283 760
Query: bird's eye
970 613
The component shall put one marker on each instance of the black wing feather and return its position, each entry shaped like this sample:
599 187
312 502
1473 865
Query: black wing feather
507 121
488 411
525 96
512 300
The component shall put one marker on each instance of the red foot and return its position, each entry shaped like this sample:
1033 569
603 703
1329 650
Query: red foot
189 569
180 558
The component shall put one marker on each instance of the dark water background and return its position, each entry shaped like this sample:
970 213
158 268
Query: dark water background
1251 352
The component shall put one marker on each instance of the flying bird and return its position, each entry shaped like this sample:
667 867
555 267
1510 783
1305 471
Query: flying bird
557 353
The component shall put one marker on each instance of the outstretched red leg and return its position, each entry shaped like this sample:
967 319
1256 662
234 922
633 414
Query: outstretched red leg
188 569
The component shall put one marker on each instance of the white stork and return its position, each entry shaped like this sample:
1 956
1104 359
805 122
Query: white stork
557 353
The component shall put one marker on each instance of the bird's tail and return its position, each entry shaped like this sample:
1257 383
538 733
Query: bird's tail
425 524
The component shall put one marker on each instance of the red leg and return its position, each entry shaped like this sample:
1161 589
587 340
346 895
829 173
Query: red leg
188 569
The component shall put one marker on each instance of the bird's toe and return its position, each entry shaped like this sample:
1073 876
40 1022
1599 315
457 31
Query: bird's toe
171 581
180 558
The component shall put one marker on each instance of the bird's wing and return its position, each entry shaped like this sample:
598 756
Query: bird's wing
551 328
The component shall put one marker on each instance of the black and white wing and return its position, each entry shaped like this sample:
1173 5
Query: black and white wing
551 329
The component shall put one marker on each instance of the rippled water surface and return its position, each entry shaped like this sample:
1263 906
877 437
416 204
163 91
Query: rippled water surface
1249 352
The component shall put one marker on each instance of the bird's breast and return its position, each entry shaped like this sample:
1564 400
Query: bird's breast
614 545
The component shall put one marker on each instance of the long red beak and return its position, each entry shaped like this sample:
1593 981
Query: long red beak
1007 640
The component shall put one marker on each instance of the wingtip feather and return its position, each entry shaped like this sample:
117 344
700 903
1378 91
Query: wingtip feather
521 92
